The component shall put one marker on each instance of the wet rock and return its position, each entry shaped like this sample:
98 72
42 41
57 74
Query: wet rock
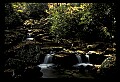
108 62
108 68
96 58
110 51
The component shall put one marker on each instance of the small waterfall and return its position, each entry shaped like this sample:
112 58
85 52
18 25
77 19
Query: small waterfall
83 60
29 35
48 59
79 58
87 56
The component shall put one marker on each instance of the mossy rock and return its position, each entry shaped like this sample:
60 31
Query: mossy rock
108 62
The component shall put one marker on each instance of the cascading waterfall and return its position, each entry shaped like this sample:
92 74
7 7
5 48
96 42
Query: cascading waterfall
79 58
83 60
48 59
87 56
29 35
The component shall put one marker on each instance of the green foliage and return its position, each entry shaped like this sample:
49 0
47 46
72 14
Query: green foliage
36 10
67 20
58 19
104 19
16 13
13 15
87 21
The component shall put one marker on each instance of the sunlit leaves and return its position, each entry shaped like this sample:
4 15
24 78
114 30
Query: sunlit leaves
20 11
16 13
19 7
85 6
65 18
15 6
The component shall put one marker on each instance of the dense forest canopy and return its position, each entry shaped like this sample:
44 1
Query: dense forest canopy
74 21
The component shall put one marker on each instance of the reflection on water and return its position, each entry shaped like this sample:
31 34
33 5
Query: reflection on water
49 71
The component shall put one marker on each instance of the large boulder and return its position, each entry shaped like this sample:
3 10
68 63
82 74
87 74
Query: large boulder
108 68
109 62
65 59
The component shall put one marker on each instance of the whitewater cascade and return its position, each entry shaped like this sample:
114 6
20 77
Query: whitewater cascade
81 61
87 56
48 59
80 58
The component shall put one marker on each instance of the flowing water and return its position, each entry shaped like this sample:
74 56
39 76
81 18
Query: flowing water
79 58
48 59
29 36
47 67
87 56
81 63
